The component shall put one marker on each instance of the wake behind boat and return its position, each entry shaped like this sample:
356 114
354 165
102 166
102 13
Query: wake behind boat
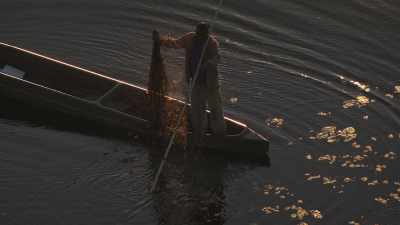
39 81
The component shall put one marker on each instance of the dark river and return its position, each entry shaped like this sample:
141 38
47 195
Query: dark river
320 78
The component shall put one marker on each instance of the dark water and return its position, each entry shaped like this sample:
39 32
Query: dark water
301 71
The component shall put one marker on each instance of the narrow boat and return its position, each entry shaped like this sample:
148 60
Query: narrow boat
41 81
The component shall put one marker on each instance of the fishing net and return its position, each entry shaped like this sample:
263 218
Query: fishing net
165 110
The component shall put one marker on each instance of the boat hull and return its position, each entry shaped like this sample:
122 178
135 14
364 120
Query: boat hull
117 104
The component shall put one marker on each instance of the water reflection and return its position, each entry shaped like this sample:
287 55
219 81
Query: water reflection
191 189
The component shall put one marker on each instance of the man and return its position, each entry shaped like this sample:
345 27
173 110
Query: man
205 87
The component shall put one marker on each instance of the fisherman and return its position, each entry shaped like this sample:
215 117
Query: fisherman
205 90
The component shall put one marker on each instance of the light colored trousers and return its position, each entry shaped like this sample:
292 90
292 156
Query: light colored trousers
203 95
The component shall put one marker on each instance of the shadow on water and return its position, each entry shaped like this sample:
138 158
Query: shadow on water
191 189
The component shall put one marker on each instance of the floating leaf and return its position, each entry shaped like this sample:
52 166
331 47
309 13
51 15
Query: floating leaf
362 100
359 101
275 122
389 95
355 145
373 183
348 134
332 135
367 149
324 113
301 213
380 168
395 196
381 200
390 155
314 177
330 158
354 223
270 210
347 180
397 89
327 181
233 100
316 214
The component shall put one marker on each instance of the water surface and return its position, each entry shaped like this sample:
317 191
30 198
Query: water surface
317 77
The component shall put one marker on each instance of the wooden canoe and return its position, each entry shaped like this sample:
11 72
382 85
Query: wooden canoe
34 79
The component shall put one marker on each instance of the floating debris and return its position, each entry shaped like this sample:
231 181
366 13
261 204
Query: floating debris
368 149
275 122
332 135
348 134
360 101
309 157
355 145
373 183
324 114
380 167
364 179
353 163
330 158
299 214
389 95
233 100
381 200
348 180
360 85
270 210
391 136
397 89
328 132
316 214
327 181
390 155
366 117
314 177
385 182
395 196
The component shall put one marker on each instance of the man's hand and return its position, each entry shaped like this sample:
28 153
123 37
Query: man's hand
156 36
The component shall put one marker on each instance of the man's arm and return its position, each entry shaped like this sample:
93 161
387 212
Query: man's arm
214 52
176 43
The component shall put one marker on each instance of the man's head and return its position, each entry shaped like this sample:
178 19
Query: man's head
202 29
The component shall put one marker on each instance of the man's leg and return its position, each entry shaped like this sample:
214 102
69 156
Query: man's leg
198 114
214 99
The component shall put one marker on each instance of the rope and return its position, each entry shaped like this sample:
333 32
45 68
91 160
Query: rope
191 85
